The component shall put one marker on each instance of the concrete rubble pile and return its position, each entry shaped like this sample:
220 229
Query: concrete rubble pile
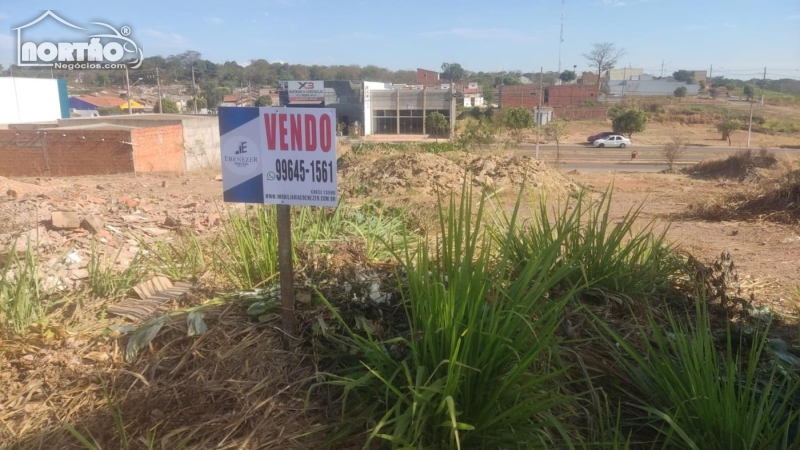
61 218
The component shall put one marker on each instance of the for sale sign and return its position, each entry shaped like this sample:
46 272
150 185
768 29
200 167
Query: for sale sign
279 155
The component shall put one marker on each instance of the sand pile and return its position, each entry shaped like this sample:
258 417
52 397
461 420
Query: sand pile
426 174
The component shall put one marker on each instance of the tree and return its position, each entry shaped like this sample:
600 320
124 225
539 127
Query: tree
683 75
436 123
673 150
567 76
749 92
477 133
453 72
518 119
201 103
604 56
702 85
680 92
728 127
557 131
629 122
264 100
170 107
488 94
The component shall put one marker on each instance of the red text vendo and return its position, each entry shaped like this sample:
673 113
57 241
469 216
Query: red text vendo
298 132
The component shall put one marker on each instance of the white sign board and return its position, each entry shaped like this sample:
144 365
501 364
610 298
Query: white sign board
284 156
306 91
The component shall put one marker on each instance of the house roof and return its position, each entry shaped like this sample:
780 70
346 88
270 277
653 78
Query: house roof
101 101
231 98
134 104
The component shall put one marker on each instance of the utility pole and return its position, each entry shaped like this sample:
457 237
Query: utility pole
763 83
710 75
539 110
194 92
750 125
561 39
662 69
128 83
158 83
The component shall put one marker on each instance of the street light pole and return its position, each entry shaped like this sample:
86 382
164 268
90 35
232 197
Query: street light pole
539 110
128 84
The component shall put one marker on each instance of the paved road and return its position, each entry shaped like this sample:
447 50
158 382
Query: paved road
588 159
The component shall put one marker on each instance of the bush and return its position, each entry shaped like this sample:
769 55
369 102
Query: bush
170 107
698 397
674 150
618 262
629 122
728 127
474 370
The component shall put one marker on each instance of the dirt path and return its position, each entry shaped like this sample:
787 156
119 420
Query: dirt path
767 254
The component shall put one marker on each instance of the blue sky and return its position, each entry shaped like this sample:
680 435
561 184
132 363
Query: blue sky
739 37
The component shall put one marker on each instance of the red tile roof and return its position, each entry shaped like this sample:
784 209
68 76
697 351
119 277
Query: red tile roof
102 101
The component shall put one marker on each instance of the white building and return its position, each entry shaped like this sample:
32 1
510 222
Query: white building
26 100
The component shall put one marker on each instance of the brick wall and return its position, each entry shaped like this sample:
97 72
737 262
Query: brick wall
578 112
526 96
569 95
158 149
30 153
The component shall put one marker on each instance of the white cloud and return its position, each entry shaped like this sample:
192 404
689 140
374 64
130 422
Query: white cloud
3 15
616 3
794 17
6 41
167 39
215 20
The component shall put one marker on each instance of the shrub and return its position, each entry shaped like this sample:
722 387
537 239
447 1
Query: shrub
629 122
698 397
674 150
475 365
618 262
728 127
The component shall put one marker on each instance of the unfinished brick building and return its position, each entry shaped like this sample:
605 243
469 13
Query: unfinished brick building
42 150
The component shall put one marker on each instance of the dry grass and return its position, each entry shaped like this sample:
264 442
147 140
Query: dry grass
774 198
233 387
737 166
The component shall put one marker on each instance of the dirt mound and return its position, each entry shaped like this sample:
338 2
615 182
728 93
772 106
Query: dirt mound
427 174
739 166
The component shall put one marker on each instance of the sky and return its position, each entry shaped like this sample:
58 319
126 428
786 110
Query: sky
738 37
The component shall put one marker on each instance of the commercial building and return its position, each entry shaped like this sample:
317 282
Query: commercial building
625 73
24 100
648 85
368 107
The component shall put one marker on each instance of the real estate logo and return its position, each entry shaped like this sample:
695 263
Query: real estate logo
240 155
105 50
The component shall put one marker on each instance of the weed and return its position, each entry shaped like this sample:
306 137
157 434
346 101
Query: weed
246 250
105 281
180 259
22 296
697 397
125 440
478 366
617 262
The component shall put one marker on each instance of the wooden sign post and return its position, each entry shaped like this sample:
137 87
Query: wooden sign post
286 267
280 156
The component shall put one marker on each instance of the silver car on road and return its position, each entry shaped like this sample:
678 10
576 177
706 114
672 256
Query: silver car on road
614 140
